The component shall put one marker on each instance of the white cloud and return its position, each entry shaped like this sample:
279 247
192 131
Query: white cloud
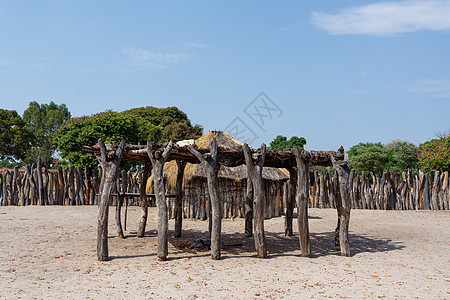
386 18
151 59
432 88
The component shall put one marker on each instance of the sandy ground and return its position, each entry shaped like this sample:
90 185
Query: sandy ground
50 253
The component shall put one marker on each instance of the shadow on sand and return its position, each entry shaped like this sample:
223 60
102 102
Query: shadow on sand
278 244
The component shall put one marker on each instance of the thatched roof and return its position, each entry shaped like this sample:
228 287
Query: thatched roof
196 171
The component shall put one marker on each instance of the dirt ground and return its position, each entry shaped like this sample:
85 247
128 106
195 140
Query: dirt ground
50 253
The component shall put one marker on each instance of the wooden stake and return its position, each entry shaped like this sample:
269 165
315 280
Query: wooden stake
179 198
255 165
110 166
346 205
303 160
209 163
158 157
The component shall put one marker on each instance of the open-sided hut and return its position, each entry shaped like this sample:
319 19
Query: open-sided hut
232 184
297 161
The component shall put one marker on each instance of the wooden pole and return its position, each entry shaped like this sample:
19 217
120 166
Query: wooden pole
110 166
158 157
343 173
40 181
255 165
209 163
179 198
249 209
143 199
290 202
303 160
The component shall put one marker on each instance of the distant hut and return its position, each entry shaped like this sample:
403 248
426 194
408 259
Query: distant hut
232 182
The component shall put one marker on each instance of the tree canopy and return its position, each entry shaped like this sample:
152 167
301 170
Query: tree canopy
14 135
135 126
398 156
435 154
281 142
368 157
42 120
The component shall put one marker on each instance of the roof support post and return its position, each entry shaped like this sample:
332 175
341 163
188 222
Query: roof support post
110 165
255 165
209 162
249 209
343 206
303 160
158 157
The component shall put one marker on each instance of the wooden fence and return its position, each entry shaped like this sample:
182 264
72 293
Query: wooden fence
79 186
390 191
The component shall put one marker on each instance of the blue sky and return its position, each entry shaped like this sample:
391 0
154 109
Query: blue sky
335 72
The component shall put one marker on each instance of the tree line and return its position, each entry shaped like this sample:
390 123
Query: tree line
48 131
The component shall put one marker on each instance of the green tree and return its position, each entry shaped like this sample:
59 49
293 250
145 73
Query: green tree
14 135
173 123
42 121
402 156
368 157
135 126
435 155
281 142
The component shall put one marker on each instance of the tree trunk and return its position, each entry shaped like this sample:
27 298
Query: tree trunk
209 163
343 173
303 161
158 157
110 173
255 165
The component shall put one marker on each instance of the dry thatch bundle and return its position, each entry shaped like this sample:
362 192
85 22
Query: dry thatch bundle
196 172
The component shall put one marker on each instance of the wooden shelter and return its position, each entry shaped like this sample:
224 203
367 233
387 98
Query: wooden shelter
232 184
212 158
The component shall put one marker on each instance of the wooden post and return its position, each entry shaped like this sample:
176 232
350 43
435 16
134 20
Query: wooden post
255 163
426 192
209 163
4 188
71 183
290 202
249 209
143 199
343 173
40 181
110 165
119 202
14 187
158 157
303 160
179 198
435 192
